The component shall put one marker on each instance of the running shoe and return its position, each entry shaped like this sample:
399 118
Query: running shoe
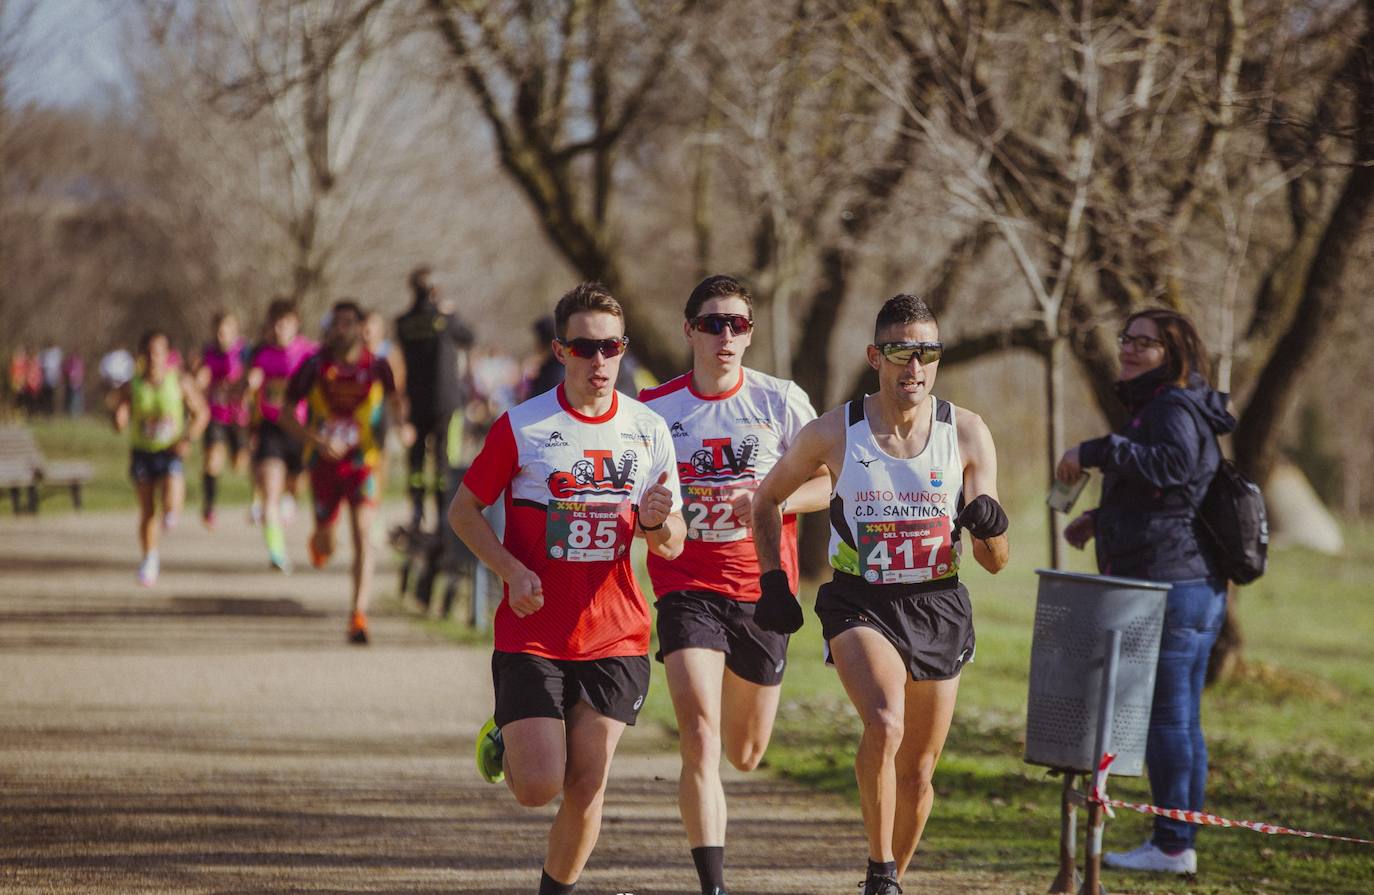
148 569
255 513
280 562
357 629
881 885
317 559
208 517
170 520
491 749
1150 858
288 509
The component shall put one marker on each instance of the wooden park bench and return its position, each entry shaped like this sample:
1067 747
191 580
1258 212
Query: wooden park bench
24 469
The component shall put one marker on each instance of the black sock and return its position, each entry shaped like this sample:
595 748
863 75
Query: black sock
417 503
550 886
210 485
710 861
882 868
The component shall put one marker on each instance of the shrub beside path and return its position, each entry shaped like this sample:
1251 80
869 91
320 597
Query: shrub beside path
215 734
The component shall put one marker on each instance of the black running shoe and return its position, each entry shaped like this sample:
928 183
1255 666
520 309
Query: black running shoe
881 885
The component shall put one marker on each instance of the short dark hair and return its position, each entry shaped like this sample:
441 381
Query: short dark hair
145 341
900 310
347 304
588 296
222 315
717 286
1185 353
279 308
419 281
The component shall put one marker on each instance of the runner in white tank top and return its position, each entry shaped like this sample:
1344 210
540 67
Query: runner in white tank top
729 425
910 471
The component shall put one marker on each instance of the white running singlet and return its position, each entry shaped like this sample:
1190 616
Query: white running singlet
891 520
725 442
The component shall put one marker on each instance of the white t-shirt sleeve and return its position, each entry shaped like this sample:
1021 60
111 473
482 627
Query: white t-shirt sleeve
665 460
797 412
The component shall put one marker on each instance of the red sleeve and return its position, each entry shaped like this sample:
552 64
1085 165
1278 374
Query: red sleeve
496 464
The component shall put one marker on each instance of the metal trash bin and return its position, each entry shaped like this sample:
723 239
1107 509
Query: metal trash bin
1073 614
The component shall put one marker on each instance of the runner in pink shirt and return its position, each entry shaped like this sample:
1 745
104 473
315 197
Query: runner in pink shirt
276 455
222 376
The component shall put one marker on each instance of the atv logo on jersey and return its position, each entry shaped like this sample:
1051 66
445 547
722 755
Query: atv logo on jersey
555 440
678 430
595 473
719 461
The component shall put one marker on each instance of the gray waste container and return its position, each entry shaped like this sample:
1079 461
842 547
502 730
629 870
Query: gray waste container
1073 613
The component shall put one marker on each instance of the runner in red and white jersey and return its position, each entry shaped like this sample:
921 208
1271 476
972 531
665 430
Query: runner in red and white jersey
584 470
729 425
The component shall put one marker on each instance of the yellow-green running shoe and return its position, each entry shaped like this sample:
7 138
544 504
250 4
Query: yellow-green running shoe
490 750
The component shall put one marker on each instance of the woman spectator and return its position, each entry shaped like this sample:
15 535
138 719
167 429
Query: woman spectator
1156 471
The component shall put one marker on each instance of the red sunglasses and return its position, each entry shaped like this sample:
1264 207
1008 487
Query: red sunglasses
715 324
586 348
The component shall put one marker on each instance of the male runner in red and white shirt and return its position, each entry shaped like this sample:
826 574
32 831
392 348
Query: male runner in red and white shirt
584 471
729 425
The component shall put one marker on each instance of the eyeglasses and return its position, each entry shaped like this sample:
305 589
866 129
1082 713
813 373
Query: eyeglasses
715 323
1138 343
903 352
585 348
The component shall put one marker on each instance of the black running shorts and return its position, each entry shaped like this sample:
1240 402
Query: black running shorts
699 618
274 444
530 686
932 628
225 433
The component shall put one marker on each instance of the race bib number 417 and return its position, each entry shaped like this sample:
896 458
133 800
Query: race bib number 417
907 551
578 531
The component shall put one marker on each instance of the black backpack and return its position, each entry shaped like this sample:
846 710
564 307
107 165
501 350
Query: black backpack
1233 518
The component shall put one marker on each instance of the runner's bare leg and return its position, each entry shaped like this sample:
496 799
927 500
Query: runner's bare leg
929 711
592 738
746 724
694 680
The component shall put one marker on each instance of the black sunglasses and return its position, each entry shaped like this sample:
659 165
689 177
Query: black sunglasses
715 324
589 347
903 352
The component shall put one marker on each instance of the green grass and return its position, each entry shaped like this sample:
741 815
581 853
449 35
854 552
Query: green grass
1292 739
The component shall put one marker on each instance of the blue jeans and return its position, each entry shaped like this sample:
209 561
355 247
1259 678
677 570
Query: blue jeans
1175 750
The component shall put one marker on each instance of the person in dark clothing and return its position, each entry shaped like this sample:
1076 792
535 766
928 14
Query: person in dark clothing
1156 471
549 372
433 342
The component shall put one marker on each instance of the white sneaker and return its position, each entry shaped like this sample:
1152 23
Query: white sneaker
147 570
255 513
1152 859
288 509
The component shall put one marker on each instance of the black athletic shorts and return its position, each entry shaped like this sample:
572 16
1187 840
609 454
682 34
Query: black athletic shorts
931 627
225 433
274 444
529 686
700 618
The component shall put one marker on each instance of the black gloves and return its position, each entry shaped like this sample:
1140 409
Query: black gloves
777 610
984 518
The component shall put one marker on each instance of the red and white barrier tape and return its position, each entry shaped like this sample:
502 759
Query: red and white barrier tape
1098 794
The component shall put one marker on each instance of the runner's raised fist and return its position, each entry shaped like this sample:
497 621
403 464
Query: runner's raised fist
656 504
777 610
526 593
984 518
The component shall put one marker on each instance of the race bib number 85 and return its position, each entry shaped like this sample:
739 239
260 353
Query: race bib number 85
907 551
588 532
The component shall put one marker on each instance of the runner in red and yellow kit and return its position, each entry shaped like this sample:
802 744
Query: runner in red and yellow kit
346 391
584 471
729 425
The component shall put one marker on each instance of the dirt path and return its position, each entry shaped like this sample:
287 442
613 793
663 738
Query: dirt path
215 734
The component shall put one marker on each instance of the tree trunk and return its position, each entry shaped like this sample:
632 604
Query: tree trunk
1055 355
